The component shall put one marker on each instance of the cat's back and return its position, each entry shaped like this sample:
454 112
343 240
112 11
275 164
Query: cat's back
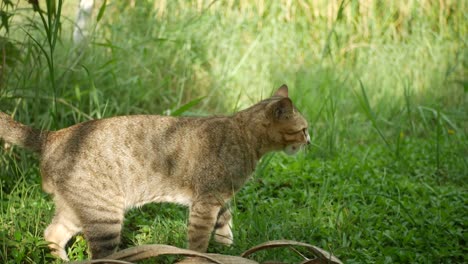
111 135
106 130
101 139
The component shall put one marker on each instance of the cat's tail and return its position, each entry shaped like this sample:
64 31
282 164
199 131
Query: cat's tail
18 134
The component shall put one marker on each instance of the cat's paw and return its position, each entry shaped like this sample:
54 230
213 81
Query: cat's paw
59 253
223 235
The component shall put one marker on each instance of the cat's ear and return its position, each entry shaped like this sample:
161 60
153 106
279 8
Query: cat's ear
282 91
283 109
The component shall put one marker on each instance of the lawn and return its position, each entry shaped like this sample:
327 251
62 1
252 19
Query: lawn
382 83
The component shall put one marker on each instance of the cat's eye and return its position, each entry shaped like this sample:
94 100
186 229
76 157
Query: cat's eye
293 132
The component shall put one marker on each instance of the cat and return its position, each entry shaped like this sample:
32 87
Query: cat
96 170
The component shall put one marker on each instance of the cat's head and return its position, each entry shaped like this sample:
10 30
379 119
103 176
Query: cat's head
287 129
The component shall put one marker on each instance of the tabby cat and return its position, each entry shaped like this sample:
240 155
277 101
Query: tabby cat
97 170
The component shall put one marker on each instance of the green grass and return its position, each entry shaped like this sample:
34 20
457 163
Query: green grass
382 83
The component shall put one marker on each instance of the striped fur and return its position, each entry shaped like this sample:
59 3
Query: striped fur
98 169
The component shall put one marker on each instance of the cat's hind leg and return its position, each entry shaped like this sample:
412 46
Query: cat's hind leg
223 233
102 226
64 226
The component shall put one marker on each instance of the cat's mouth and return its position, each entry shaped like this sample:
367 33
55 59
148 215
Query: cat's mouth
293 148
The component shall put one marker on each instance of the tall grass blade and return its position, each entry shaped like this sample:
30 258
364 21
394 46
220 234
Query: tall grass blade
326 48
438 134
407 96
365 105
184 108
102 10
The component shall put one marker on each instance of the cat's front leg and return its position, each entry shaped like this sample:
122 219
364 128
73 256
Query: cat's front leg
223 233
202 220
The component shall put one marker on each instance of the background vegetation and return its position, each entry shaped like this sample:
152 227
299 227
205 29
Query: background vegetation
382 83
